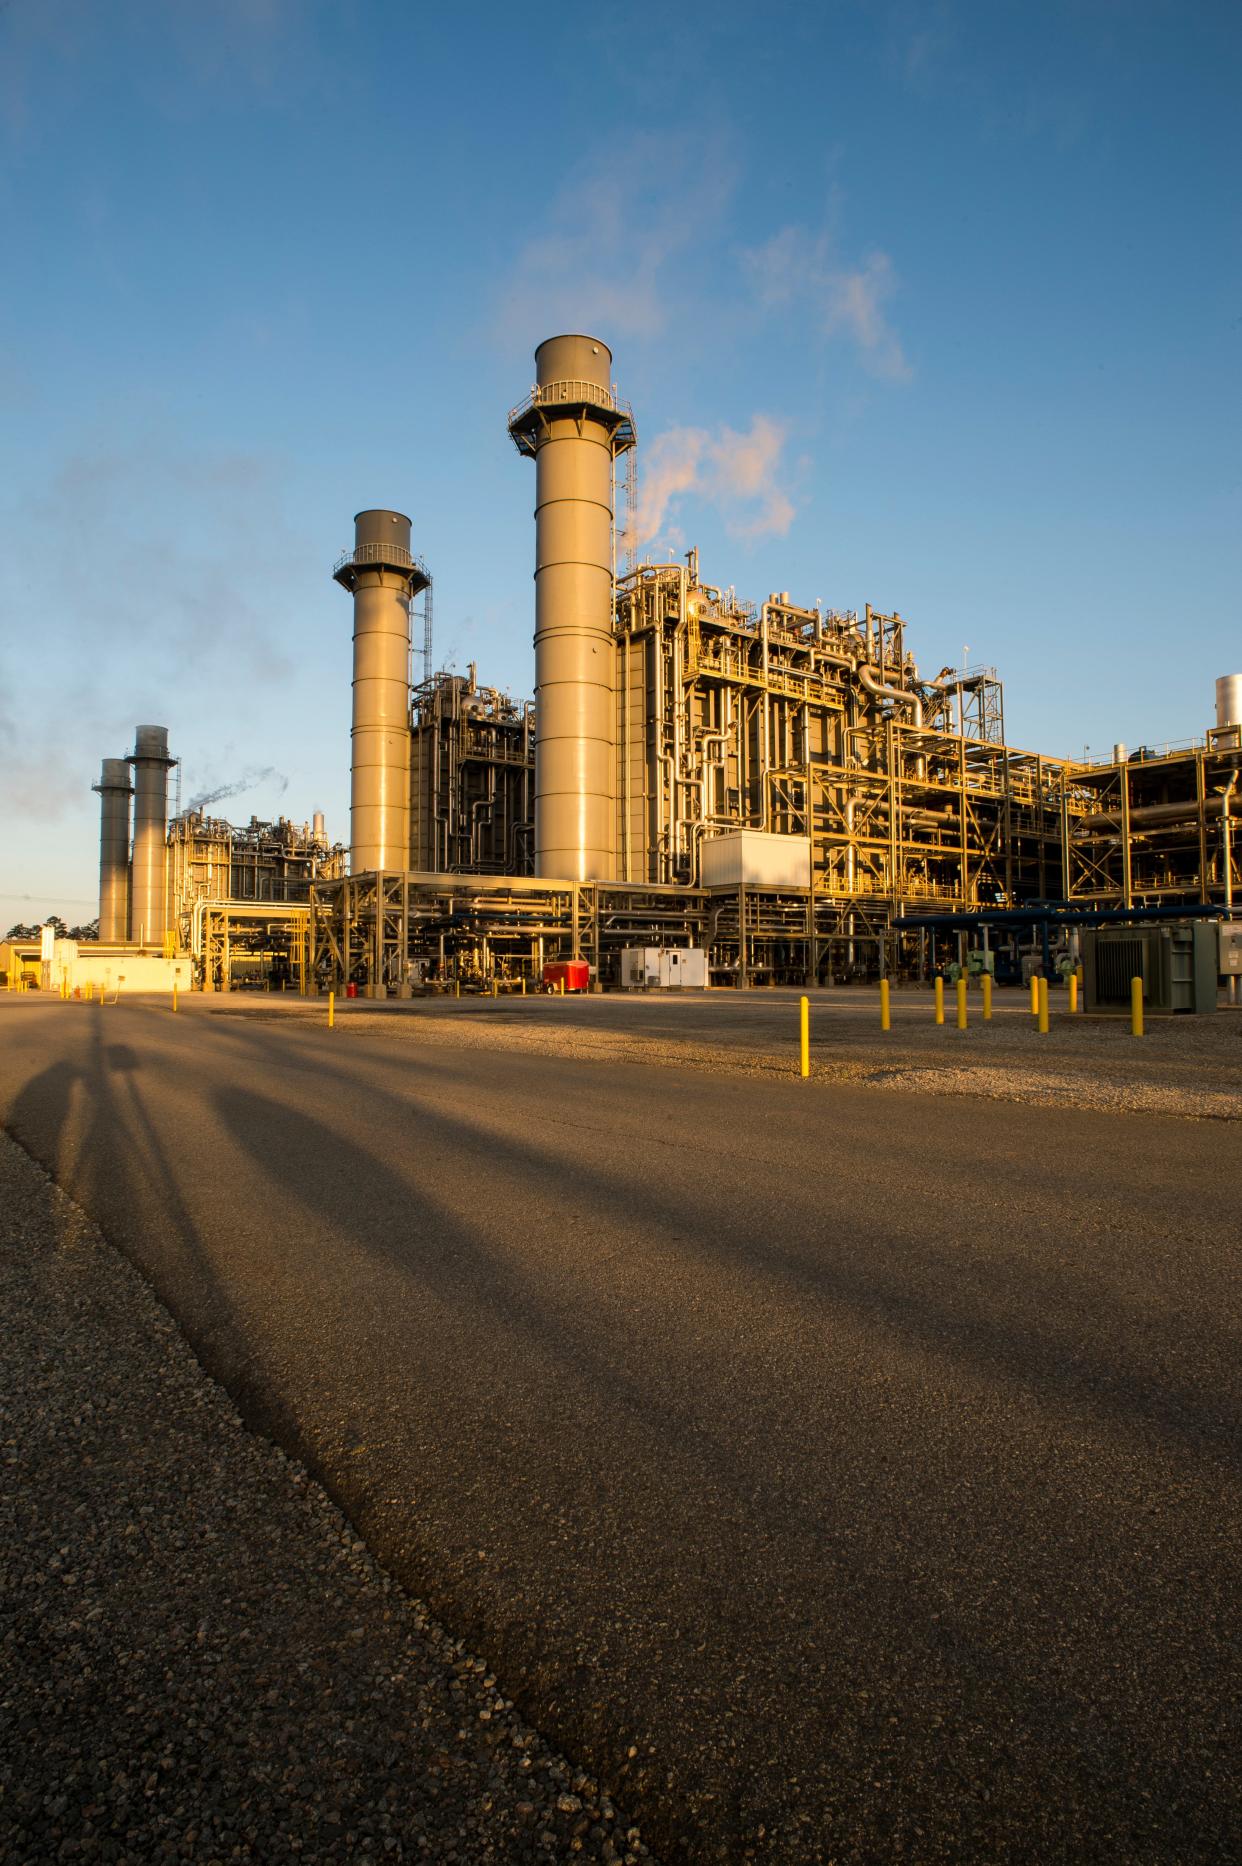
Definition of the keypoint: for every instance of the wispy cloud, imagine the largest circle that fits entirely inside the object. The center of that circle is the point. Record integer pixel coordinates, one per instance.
(180, 543)
(605, 255)
(737, 474)
(796, 267)
(50, 52)
(163, 567)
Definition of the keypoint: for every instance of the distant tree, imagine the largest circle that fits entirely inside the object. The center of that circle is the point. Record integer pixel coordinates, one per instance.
(89, 932)
(36, 927)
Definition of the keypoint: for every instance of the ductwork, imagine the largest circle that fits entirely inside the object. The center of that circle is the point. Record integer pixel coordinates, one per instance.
(880, 690)
(115, 791)
(383, 577)
(573, 428)
(1152, 815)
(148, 894)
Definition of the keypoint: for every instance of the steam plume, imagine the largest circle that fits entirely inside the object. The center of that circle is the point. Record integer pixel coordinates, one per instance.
(250, 779)
(734, 472)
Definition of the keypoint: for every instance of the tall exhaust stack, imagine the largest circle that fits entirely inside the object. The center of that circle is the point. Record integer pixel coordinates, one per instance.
(115, 791)
(573, 428)
(148, 892)
(383, 578)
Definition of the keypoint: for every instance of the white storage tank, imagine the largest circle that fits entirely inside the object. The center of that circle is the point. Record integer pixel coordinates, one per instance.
(755, 858)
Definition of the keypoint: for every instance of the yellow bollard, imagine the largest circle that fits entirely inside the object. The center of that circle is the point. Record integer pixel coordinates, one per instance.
(495, 987)
(1043, 1007)
(1136, 1007)
(174, 994)
(961, 1004)
(939, 1000)
(886, 1022)
(561, 985)
(1073, 991)
(331, 1010)
(987, 997)
(457, 988)
(523, 984)
(804, 1035)
(1034, 996)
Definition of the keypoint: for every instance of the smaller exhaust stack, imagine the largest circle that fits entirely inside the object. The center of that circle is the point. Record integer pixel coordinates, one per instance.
(115, 791)
(148, 895)
(383, 577)
(1229, 709)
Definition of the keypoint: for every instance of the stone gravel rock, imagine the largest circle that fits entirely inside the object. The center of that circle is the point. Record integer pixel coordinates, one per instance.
(1188, 1067)
(200, 1659)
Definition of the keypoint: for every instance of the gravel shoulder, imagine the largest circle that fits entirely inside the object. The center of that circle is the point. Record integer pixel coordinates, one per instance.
(1188, 1067)
(200, 1659)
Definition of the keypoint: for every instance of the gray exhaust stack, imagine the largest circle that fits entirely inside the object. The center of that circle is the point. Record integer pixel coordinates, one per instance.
(383, 578)
(573, 428)
(148, 899)
(115, 791)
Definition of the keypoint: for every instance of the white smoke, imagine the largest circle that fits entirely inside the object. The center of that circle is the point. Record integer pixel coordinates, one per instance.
(736, 473)
(250, 779)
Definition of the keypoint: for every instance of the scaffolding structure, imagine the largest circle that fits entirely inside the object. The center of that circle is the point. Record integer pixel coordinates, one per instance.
(471, 778)
(815, 724)
(1154, 828)
(809, 725)
(225, 885)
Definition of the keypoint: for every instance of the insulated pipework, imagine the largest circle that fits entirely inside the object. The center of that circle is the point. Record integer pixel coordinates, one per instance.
(383, 578)
(115, 791)
(573, 428)
(148, 898)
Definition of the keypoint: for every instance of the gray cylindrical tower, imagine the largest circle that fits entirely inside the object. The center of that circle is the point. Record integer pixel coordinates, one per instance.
(115, 791)
(148, 895)
(573, 428)
(383, 578)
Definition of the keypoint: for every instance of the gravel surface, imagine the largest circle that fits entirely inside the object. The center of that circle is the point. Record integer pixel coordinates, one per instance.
(200, 1659)
(840, 1477)
(1190, 1067)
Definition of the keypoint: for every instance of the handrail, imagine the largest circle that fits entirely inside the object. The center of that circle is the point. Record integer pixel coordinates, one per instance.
(571, 390)
(379, 554)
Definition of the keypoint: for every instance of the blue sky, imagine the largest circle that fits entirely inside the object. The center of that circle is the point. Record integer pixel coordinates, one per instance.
(936, 306)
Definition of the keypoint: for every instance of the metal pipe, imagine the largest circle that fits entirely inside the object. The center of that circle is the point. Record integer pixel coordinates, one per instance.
(115, 791)
(1226, 830)
(573, 429)
(383, 578)
(882, 690)
(148, 905)
(1151, 815)
(765, 757)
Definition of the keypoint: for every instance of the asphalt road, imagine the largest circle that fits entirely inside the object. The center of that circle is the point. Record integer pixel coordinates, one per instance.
(842, 1477)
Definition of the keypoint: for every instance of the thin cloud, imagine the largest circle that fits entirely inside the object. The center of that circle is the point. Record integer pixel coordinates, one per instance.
(49, 52)
(165, 567)
(605, 256)
(736, 473)
(795, 267)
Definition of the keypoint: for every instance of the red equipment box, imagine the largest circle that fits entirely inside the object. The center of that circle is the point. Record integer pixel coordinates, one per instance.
(575, 972)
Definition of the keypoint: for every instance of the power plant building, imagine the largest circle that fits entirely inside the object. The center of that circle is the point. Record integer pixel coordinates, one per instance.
(777, 784)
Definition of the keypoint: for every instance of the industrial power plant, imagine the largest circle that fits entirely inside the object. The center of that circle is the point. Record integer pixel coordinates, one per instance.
(703, 789)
